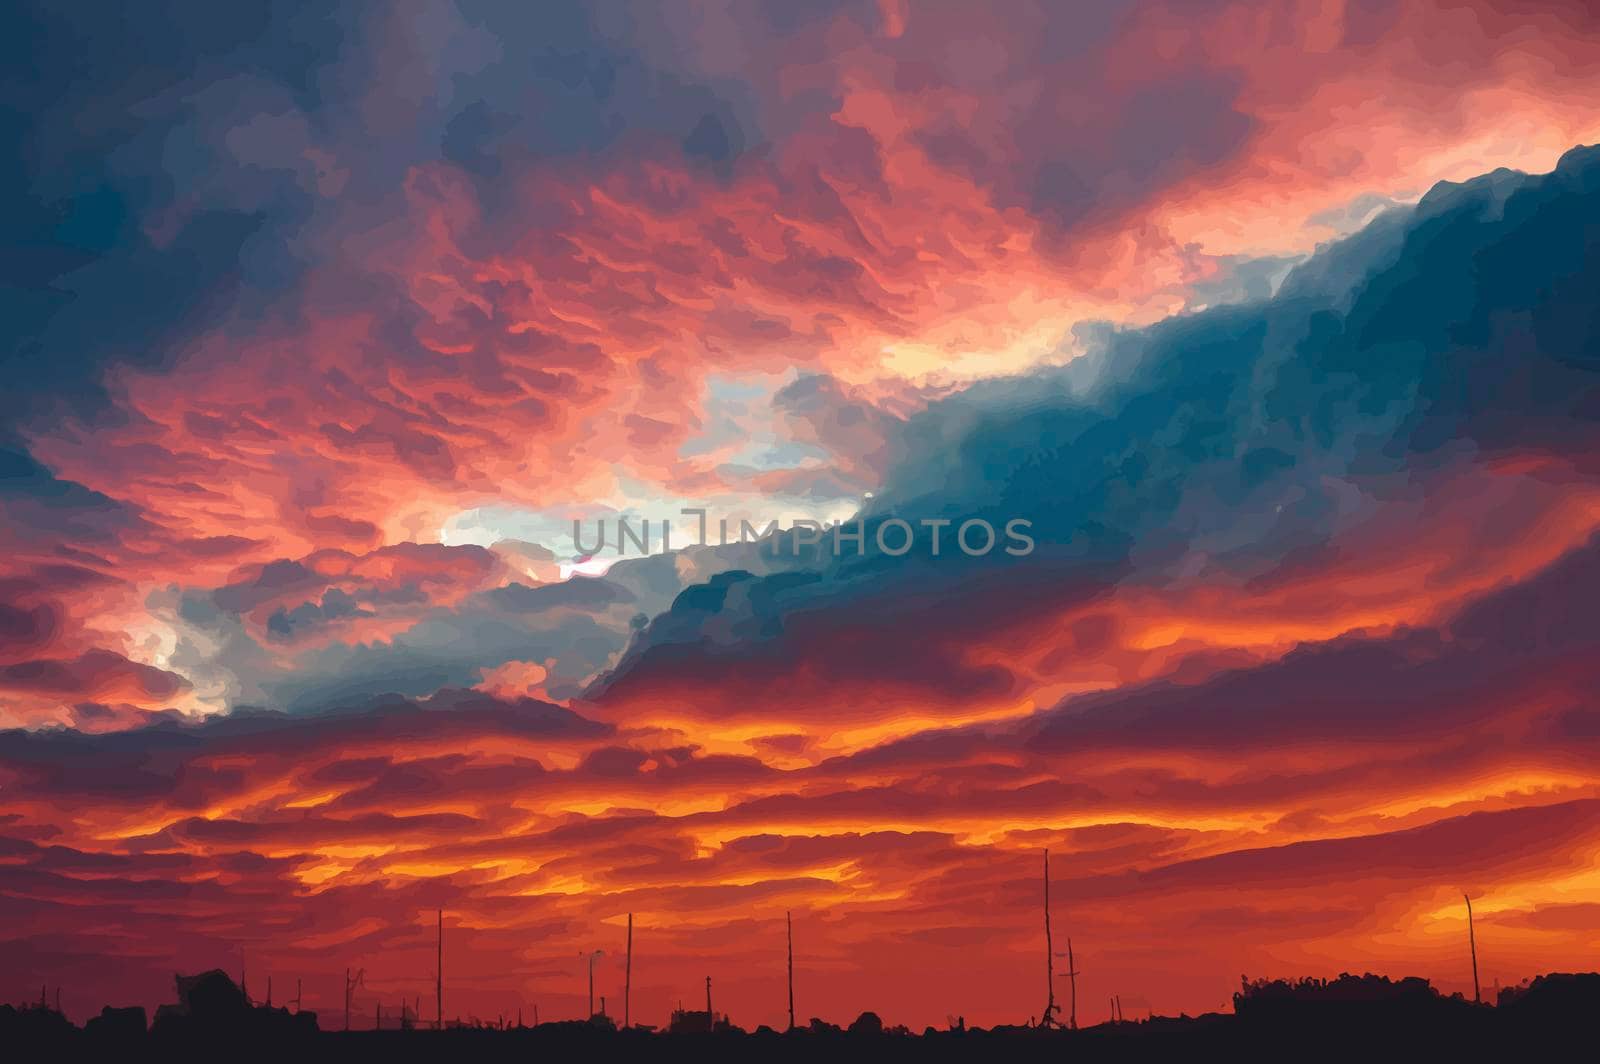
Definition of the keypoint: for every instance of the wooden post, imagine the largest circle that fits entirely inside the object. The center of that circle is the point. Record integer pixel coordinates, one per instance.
(1472, 943)
(788, 921)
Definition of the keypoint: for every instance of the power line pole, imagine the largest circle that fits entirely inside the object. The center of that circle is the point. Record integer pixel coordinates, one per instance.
(1072, 978)
(788, 921)
(627, 976)
(349, 990)
(438, 983)
(1050, 1008)
(1472, 943)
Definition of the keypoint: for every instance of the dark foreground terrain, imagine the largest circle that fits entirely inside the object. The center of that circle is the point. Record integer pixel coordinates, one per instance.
(1555, 1017)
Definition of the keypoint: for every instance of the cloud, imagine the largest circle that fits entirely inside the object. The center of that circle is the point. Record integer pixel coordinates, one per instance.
(323, 320)
(1258, 456)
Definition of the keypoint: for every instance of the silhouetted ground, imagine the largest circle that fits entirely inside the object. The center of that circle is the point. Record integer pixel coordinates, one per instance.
(1353, 1016)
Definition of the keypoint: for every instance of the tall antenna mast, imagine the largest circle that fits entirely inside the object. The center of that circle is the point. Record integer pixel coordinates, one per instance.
(1472, 943)
(788, 921)
(438, 980)
(627, 975)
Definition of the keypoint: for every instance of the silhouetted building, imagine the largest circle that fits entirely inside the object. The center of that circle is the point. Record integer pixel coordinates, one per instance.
(214, 1006)
(688, 1021)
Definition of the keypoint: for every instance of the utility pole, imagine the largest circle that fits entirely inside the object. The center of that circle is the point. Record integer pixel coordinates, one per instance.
(269, 991)
(438, 982)
(627, 976)
(1050, 1008)
(297, 996)
(788, 921)
(1072, 978)
(710, 1016)
(350, 989)
(1472, 944)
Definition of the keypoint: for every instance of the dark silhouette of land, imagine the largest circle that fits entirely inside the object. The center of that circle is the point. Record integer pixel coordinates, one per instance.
(1372, 1015)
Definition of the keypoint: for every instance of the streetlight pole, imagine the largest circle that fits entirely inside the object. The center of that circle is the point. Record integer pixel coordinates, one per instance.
(592, 955)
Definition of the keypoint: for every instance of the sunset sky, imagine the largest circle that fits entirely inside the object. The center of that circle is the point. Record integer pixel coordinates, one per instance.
(1275, 320)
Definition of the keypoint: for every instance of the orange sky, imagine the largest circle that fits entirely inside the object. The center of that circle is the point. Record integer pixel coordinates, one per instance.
(237, 529)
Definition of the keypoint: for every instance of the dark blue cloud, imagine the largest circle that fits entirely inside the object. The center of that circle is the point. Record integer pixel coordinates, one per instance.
(1443, 336)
